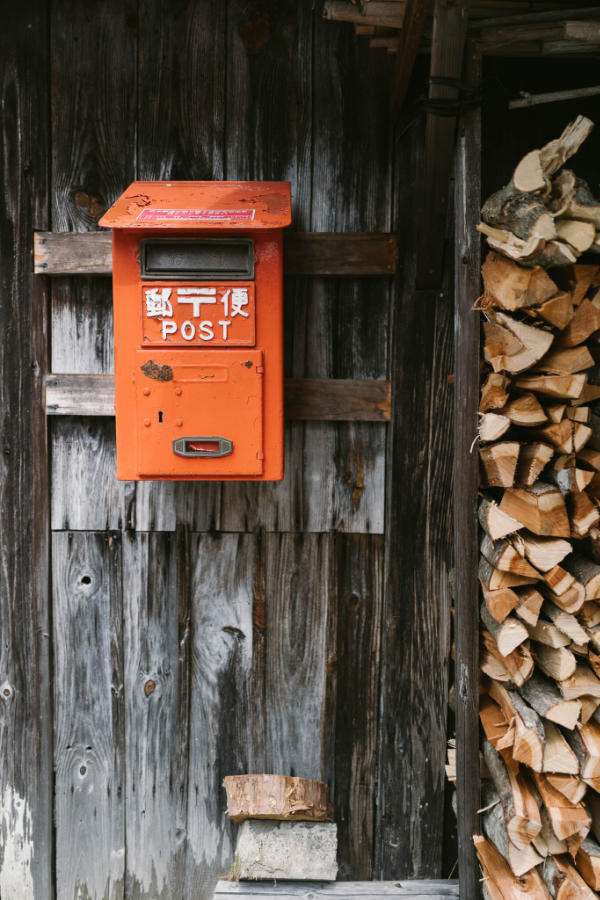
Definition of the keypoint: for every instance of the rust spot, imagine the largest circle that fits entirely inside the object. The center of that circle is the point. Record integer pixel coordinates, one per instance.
(158, 373)
(356, 479)
(255, 32)
(96, 209)
(149, 687)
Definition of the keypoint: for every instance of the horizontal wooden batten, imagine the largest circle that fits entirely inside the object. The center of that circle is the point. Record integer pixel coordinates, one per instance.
(73, 253)
(368, 890)
(329, 399)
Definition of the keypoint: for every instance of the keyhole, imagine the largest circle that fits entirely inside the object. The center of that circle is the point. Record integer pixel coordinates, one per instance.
(160, 415)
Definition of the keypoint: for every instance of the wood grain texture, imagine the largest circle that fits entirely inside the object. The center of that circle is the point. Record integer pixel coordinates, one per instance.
(416, 616)
(89, 720)
(221, 578)
(340, 399)
(374, 890)
(466, 400)
(56, 253)
(25, 691)
(157, 641)
(356, 661)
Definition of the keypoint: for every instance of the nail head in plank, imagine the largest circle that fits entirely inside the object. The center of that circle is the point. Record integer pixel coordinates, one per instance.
(327, 253)
(318, 399)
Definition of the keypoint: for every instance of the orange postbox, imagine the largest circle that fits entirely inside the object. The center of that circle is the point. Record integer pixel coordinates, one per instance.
(198, 312)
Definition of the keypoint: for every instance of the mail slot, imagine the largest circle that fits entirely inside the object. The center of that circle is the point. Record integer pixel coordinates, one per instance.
(198, 322)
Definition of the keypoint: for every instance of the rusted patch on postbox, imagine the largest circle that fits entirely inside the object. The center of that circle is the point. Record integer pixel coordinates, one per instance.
(158, 373)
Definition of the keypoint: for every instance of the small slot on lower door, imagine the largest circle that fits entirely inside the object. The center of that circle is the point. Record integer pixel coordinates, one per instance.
(203, 447)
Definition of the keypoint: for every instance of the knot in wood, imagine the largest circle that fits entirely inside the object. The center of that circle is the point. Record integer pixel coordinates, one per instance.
(149, 687)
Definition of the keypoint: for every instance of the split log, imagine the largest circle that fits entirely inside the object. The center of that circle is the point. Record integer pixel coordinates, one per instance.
(574, 789)
(576, 198)
(543, 553)
(521, 812)
(557, 311)
(510, 286)
(507, 635)
(565, 622)
(585, 321)
(581, 278)
(541, 694)
(556, 412)
(525, 410)
(500, 463)
(567, 436)
(560, 582)
(528, 738)
(570, 601)
(546, 842)
(590, 457)
(494, 579)
(500, 880)
(588, 863)
(589, 614)
(500, 603)
(583, 513)
(587, 573)
(583, 683)
(580, 235)
(566, 361)
(533, 458)
(563, 880)
(494, 392)
(523, 214)
(585, 743)
(503, 555)
(544, 632)
(520, 861)
(282, 797)
(554, 154)
(560, 763)
(513, 346)
(566, 818)
(494, 522)
(581, 414)
(555, 662)
(540, 507)
(568, 387)
(492, 426)
(530, 605)
(515, 667)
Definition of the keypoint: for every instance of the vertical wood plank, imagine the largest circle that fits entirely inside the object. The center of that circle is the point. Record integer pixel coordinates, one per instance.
(416, 618)
(300, 590)
(222, 569)
(157, 638)
(466, 394)
(89, 715)
(357, 658)
(25, 704)
(94, 67)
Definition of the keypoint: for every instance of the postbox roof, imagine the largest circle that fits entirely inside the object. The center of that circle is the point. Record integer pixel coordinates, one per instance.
(201, 204)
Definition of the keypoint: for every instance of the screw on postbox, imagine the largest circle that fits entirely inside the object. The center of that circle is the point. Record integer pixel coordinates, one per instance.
(198, 313)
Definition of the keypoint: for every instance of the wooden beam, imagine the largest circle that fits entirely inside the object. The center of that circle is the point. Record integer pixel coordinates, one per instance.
(410, 39)
(90, 253)
(466, 398)
(381, 13)
(333, 400)
(527, 100)
(449, 32)
(368, 890)
(26, 688)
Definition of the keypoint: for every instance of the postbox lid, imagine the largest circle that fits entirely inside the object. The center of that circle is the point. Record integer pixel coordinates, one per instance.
(201, 204)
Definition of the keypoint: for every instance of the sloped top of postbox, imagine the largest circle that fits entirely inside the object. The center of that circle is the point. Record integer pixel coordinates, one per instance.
(201, 204)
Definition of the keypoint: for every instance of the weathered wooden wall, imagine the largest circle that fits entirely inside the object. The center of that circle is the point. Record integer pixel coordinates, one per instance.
(170, 634)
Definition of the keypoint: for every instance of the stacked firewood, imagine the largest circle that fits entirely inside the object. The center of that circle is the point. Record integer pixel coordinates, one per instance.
(540, 574)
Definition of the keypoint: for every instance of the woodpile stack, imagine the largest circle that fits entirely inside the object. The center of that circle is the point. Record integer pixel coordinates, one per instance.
(540, 541)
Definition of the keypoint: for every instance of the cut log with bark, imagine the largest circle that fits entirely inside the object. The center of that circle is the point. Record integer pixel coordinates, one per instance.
(499, 462)
(588, 863)
(540, 507)
(521, 811)
(520, 861)
(525, 410)
(543, 696)
(496, 523)
(587, 573)
(499, 879)
(507, 635)
(501, 603)
(543, 553)
(505, 556)
(530, 605)
(510, 287)
(494, 579)
(557, 663)
(513, 346)
(282, 797)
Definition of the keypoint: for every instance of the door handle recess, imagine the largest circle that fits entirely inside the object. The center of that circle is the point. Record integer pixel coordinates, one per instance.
(203, 447)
